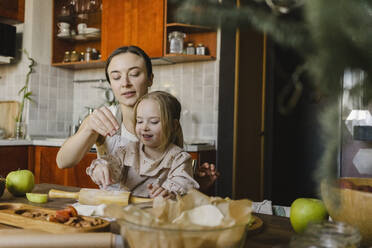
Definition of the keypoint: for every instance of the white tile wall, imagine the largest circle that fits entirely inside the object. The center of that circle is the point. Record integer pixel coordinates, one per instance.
(60, 102)
(52, 91)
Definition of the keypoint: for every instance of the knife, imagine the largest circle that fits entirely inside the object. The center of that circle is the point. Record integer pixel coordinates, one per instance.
(99, 196)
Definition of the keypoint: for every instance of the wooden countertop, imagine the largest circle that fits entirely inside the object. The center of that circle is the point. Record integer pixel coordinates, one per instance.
(276, 231)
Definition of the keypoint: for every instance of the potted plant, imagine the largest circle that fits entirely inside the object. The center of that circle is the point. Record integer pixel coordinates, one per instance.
(20, 129)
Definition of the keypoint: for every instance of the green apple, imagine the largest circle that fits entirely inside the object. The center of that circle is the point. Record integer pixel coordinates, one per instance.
(20, 182)
(37, 198)
(306, 210)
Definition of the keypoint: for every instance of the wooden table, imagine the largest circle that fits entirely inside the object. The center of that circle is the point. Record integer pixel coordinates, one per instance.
(276, 231)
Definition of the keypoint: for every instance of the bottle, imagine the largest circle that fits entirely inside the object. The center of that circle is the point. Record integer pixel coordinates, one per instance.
(88, 54)
(327, 234)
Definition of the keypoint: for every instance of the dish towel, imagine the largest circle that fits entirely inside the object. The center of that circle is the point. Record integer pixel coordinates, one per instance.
(266, 207)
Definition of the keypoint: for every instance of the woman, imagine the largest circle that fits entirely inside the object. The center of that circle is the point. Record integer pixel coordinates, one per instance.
(129, 72)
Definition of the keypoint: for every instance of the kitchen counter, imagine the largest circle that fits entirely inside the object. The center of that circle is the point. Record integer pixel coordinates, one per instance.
(57, 142)
(276, 231)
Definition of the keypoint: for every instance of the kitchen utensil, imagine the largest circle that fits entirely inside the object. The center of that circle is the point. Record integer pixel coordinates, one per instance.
(9, 216)
(99, 196)
(37, 239)
(8, 114)
(351, 206)
(81, 28)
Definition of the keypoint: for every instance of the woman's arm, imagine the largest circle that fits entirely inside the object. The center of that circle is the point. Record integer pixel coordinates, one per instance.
(75, 147)
(101, 121)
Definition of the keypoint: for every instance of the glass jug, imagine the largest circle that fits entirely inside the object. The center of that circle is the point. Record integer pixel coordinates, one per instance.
(176, 42)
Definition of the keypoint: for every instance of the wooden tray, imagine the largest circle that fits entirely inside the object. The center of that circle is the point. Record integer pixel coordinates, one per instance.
(9, 217)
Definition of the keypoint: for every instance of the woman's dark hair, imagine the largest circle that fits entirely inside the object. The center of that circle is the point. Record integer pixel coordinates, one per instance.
(130, 49)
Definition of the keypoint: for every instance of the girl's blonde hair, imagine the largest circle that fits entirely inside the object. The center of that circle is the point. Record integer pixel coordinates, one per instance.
(170, 111)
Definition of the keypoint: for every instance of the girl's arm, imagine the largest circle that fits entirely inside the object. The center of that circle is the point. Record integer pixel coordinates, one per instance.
(180, 177)
(101, 121)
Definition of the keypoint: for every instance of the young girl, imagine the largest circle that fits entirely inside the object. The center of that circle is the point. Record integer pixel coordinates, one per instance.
(156, 164)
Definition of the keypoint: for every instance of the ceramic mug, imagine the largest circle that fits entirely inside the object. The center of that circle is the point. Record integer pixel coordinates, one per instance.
(81, 28)
(64, 28)
(63, 25)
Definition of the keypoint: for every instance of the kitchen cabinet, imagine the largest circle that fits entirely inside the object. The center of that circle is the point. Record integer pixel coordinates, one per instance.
(12, 11)
(135, 22)
(13, 158)
(144, 23)
(65, 12)
(47, 171)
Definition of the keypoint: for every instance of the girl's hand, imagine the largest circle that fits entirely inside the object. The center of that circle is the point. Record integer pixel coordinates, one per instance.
(155, 190)
(101, 175)
(206, 175)
(102, 121)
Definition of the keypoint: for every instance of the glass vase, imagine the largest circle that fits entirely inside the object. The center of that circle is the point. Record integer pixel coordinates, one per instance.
(20, 130)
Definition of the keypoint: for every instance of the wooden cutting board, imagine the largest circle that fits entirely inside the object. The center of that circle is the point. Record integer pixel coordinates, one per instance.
(10, 215)
(8, 114)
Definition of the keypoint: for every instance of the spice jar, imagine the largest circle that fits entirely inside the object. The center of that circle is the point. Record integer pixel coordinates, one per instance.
(200, 49)
(94, 54)
(67, 57)
(327, 234)
(88, 54)
(190, 49)
(74, 56)
(176, 42)
(82, 55)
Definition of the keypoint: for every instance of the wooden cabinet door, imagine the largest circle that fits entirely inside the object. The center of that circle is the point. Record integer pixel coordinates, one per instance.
(13, 158)
(12, 11)
(134, 22)
(47, 171)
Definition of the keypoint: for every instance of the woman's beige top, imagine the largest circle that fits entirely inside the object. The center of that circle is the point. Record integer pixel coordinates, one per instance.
(134, 170)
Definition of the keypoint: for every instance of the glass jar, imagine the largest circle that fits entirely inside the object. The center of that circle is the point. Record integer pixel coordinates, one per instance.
(176, 42)
(82, 55)
(190, 49)
(74, 56)
(20, 130)
(200, 49)
(94, 54)
(327, 234)
(67, 57)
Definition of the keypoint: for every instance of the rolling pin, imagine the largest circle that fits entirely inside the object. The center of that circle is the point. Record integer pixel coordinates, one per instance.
(99, 196)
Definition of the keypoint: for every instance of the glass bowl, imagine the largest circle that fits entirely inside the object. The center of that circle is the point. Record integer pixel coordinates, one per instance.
(138, 236)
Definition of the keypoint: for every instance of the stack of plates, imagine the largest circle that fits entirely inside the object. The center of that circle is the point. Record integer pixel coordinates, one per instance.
(92, 32)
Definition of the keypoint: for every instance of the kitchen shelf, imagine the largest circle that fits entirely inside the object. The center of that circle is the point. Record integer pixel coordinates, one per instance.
(81, 65)
(81, 37)
(188, 28)
(178, 58)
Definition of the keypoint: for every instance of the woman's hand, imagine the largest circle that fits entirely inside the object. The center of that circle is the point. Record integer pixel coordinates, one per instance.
(101, 175)
(155, 190)
(206, 175)
(102, 121)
